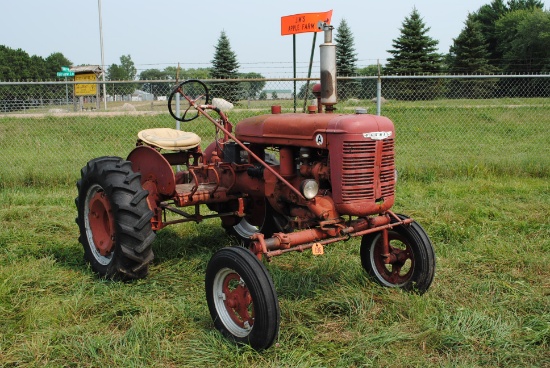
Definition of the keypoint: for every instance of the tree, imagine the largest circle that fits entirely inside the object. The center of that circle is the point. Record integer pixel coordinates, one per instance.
(469, 55)
(525, 41)
(369, 86)
(123, 72)
(190, 73)
(414, 52)
(126, 71)
(488, 16)
(156, 88)
(346, 59)
(225, 66)
(525, 48)
(53, 64)
(252, 88)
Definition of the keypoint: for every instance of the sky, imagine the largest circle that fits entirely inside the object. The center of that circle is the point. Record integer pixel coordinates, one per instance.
(162, 33)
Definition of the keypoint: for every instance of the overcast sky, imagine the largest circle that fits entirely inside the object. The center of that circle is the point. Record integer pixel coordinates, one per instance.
(161, 33)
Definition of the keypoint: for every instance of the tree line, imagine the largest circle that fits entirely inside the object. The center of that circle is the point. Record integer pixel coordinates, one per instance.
(499, 38)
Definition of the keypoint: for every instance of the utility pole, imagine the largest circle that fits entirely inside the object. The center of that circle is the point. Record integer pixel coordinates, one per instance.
(102, 56)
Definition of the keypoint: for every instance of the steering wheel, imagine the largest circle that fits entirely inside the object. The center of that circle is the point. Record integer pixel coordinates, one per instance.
(191, 92)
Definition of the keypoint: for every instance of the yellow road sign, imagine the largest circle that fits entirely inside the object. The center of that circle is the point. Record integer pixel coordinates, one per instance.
(85, 89)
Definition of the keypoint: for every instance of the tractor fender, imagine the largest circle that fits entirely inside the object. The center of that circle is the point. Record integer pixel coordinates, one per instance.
(154, 169)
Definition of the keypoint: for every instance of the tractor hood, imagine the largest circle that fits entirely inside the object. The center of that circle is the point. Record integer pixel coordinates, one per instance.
(311, 130)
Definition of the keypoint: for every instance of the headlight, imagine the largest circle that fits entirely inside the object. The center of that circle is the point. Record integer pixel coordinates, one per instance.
(309, 188)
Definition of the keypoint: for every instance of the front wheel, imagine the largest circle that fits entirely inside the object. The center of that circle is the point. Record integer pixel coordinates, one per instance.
(241, 298)
(114, 219)
(412, 257)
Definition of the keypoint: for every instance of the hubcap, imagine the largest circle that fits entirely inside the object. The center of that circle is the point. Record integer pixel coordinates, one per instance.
(398, 269)
(233, 302)
(99, 223)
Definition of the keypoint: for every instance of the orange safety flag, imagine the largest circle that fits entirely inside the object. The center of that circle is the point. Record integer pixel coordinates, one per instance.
(302, 23)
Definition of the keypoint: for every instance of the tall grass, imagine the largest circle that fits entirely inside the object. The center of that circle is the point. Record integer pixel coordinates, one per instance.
(489, 304)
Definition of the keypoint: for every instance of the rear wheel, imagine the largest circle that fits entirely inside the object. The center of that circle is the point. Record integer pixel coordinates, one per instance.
(241, 298)
(114, 219)
(412, 257)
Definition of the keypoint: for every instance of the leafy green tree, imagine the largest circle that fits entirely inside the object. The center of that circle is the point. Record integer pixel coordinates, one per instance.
(48, 69)
(225, 66)
(263, 96)
(126, 71)
(488, 16)
(525, 41)
(156, 88)
(53, 64)
(346, 59)
(252, 88)
(123, 72)
(274, 95)
(17, 65)
(190, 73)
(368, 86)
(525, 47)
(414, 52)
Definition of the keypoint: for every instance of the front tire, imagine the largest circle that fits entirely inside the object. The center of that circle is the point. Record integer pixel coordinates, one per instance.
(114, 219)
(413, 267)
(241, 298)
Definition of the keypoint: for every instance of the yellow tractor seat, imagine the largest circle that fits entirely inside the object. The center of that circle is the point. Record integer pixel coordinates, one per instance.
(169, 139)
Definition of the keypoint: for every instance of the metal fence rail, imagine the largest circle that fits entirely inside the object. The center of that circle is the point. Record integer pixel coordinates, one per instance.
(456, 124)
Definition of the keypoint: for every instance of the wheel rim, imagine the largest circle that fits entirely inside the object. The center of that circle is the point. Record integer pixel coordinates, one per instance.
(401, 266)
(233, 302)
(245, 229)
(99, 224)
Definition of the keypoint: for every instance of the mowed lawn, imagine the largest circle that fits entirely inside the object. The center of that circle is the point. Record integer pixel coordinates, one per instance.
(485, 205)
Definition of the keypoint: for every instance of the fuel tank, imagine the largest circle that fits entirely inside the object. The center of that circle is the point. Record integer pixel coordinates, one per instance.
(311, 130)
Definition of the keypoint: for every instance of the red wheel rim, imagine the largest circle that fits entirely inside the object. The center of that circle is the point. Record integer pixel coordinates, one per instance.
(399, 267)
(238, 301)
(101, 223)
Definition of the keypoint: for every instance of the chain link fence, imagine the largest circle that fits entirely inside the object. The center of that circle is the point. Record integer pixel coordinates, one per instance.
(445, 125)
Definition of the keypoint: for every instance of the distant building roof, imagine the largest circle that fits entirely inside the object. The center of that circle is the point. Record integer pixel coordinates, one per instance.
(87, 69)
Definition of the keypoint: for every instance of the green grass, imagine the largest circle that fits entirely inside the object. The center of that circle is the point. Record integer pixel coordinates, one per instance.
(476, 178)
(488, 306)
(432, 139)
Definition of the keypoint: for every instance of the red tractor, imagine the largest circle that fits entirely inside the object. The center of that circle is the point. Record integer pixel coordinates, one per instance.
(278, 182)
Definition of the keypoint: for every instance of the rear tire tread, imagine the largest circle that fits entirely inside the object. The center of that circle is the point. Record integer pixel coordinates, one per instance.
(132, 251)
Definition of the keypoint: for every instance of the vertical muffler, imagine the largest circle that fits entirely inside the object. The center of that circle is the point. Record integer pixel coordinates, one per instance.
(328, 69)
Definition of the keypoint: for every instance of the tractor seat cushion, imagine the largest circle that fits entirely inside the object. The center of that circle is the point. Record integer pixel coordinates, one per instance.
(169, 139)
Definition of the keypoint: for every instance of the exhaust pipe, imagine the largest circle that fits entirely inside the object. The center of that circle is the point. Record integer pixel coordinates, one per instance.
(328, 69)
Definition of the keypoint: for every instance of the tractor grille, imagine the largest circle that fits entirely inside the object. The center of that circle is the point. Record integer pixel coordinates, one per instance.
(368, 170)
